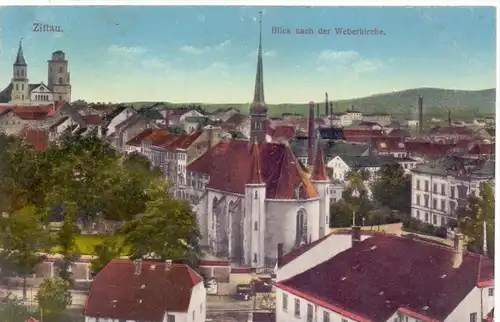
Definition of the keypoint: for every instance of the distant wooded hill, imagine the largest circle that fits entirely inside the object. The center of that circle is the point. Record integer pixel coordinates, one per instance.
(465, 104)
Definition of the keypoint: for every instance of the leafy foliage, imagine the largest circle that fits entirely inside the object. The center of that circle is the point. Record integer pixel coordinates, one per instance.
(12, 309)
(53, 296)
(22, 238)
(67, 248)
(392, 187)
(167, 229)
(105, 252)
(472, 217)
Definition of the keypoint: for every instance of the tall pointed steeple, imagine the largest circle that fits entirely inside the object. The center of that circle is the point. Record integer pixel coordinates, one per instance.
(255, 173)
(258, 110)
(258, 97)
(319, 173)
(20, 57)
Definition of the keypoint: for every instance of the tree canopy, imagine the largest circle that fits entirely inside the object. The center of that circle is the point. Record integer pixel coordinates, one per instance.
(392, 187)
(53, 296)
(479, 211)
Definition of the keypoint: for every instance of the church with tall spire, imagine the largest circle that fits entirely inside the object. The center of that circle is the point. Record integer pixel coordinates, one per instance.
(20, 92)
(258, 109)
(252, 195)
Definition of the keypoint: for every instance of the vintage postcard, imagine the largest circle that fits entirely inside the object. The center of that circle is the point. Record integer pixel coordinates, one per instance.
(247, 163)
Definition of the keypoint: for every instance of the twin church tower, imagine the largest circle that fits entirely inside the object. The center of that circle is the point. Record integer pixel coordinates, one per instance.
(58, 87)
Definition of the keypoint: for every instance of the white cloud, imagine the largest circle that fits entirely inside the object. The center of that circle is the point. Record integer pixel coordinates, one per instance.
(216, 68)
(346, 62)
(124, 50)
(270, 53)
(200, 50)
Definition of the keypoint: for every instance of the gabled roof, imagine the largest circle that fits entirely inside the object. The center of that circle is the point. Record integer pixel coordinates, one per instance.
(93, 120)
(227, 164)
(118, 293)
(386, 273)
(137, 140)
(38, 139)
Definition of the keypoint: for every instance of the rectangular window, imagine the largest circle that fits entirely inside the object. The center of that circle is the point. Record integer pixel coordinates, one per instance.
(426, 200)
(285, 302)
(418, 200)
(426, 217)
(490, 291)
(170, 318)
(418, 184)
(326, 316)
(434, 203)
(255, 257)
(443, 220)
(418, 214)
(452, 192)
(255, 226)
(309, 313)
(473, 317)
(435, 188)
(434, 219)
(296, 311)
(443, 189)
(426, 185)
(443, 204)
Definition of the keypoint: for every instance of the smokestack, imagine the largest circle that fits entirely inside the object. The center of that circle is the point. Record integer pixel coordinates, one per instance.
(459, 250)
(420, 115)
(317, 110)
(280, 253)
(326, 104)
(310, 134)
(210, 133)
(355, 235)
(449, 117)
(137, 265)
(331, 108)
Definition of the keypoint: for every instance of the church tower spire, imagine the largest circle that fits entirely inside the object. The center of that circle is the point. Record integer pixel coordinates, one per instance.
(258, 110)
(20, 85)
(20, 61)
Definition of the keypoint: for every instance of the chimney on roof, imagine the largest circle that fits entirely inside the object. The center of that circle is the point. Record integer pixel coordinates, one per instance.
(458, 250)
(280, 253)
(310, 135)
(137, 265)
(168, 264)
(420, 115)
(210, 133)
(326, 104)
(355, 235)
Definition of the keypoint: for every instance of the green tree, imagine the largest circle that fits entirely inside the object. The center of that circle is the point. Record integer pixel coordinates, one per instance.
(53, 296)
(472, 217)
(23, 237)
(341, 214)
(105, 252)
(392, 187)
(166, 230)
(12, 309)
(66, 242)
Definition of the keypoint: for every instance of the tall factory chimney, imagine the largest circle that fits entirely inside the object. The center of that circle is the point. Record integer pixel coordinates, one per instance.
(317, 110)
(449, 116)
(326, 104)
(310, 136)
(420, 115)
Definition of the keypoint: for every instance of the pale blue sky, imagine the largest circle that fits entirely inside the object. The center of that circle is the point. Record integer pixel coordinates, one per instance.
(208, 54)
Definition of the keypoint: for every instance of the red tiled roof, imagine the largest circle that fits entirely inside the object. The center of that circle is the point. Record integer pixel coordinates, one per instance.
(450, 130)
(427, 148)
(385, 273)
(137, 140)
(319, 173)
(32, 319)
(186, 143)
(399, 133)
(38, 139)
(282, 131)
(118, 293)
(92, 119)
(227, 165)
(388, 144)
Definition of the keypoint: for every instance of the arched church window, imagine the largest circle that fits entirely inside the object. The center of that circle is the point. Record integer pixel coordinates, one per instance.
(301, 228)
(255, 226)
(256, 195)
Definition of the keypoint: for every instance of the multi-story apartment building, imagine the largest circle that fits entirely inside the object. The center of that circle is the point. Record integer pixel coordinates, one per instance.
(440, 187)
